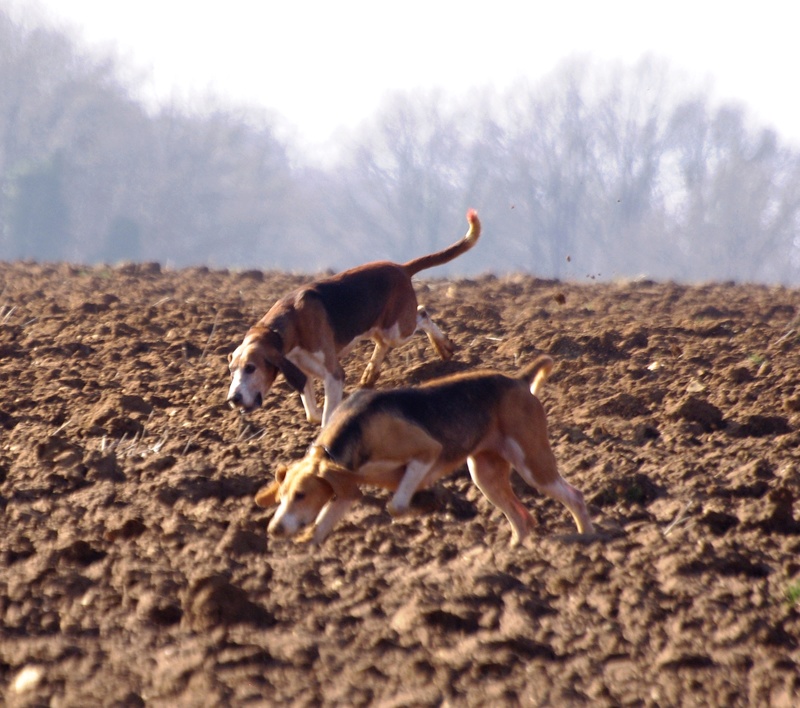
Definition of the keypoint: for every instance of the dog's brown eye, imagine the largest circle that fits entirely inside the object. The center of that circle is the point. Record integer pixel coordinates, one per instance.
(299, 496)
(249, 368)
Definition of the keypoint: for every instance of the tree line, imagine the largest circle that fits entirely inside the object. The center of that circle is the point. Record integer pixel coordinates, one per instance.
(598, 171)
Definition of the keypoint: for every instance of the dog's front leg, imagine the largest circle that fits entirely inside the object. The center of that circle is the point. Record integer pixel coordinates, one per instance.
(330, 515)
(416, 472)
(491, 474)
(309, 399)
(334, 390)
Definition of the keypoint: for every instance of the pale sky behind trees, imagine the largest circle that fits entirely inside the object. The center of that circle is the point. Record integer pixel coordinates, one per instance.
(322, 66)
(609, 140)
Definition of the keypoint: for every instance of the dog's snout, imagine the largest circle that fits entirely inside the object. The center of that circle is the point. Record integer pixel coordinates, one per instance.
(235, 398)
(275, 529)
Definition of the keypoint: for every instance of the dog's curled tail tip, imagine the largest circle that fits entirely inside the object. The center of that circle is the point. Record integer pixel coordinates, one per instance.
(472, 215)
(536, 372)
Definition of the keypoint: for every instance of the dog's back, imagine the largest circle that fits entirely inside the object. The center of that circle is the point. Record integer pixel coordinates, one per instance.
(456, 411)
(370, 289)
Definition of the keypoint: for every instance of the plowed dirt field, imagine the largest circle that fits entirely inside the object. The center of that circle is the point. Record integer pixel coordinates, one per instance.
(135, 568)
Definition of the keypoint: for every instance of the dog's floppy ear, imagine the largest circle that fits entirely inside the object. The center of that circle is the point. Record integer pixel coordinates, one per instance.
(294, 377)
(343, 481)
(268, 496)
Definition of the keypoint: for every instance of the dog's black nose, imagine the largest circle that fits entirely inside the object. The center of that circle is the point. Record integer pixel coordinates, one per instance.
(236, 398)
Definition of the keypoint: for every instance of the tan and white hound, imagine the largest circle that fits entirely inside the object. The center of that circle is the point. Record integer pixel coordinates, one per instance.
(306, 332)
(406, 439)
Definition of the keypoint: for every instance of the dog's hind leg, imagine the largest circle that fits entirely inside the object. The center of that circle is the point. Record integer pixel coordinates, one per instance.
(373, 370)
(443, 346)
(539, 469)
(491, 474)
(386, 340)
(571, 498)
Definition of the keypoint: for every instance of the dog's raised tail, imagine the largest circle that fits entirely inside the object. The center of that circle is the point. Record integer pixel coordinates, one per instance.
(448, 254)
(536, 372)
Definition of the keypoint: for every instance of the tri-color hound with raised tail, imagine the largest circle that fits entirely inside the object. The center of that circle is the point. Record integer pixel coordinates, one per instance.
(306, 332)
(406, 439)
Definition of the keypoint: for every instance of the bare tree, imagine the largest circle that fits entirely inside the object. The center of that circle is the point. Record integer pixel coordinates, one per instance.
(601, 170)
(405, 174)
(738, 211)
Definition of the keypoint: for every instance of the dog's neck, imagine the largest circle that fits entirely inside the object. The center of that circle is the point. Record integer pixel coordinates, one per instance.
(268, 335)
(322, 450)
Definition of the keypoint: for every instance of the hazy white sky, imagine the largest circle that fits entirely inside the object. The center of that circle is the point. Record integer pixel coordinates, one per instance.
(322, 64)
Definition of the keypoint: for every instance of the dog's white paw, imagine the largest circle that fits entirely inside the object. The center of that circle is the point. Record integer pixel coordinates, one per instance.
(396, 510)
